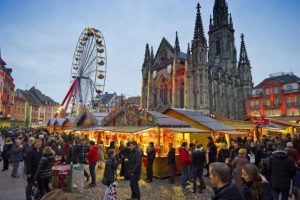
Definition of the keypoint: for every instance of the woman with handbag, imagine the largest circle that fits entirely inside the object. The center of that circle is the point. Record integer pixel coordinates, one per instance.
(44, 171)
(109, 175)
(6, 153)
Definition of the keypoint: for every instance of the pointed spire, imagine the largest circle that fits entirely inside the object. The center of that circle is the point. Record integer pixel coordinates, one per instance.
(220, 12)
(177, 47)
(243, 52)
(151, 55)
(188, 50)
(230, 19)
(198, 32)
(147, 57)
(210, 21)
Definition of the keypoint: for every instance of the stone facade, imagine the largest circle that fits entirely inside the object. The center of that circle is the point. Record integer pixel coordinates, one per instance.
(206, 78)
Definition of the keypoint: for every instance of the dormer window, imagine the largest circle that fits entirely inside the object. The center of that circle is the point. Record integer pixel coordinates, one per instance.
(289, 87)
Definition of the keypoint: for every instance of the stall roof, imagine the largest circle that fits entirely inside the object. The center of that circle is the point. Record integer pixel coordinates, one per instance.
(124, 129)
(165, 120)
(234, 132)
(188, 130)
(284, 123)
(202, 119)
(239, 125)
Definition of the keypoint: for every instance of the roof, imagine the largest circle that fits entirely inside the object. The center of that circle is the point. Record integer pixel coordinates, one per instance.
(35, 97)
(107, 98)
(124, 129)
(165, 120)
(188, 130)
(202, 119)
(284, 79)
(239, 125)
(284, 123)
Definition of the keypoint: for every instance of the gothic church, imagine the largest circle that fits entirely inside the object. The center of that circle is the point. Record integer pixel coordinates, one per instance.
(207, 78)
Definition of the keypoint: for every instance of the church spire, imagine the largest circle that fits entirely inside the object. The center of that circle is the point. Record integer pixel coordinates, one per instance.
(220, 13)
(198, 32)
(177, 47)
(188, 50)
(243, 53)
(147, 57)
(146, 65)
(151, 55)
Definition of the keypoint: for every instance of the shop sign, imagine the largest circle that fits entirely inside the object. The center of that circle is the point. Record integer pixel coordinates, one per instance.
(260, 120)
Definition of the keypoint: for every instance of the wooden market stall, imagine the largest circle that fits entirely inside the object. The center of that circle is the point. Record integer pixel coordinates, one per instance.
(145, 126)
(220, 132)
(242, 127)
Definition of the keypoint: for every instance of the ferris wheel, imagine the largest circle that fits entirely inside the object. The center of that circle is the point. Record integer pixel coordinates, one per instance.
(88, 71)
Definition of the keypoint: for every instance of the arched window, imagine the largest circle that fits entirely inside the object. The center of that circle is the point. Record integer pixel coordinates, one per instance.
(181, 95)
(218, 48)
(163, 92)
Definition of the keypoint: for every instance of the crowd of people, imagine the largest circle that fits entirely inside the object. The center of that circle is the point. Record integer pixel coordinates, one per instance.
(245, 169)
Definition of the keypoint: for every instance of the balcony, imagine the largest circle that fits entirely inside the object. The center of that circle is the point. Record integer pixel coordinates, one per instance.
(291, 91)
(292, 104)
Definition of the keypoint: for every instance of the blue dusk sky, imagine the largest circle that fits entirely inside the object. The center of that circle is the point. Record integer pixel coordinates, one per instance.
(38, 37)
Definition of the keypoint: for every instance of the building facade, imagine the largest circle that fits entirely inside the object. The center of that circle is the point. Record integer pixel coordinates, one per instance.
(207, 78)
(276, 96)
(7, 87)
(38, 108)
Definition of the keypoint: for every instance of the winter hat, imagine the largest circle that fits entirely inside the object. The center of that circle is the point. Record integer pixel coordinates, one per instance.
(58, 195)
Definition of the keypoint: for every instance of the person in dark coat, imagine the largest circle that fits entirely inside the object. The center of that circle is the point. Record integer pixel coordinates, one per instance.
(43, 173)
(235, 151)
(32, 162)
(220, 175)
(126, 157)
(81, 155)
(6, 153)
(150, 161)
(16, 156)
(291, 151)
(223, 153)
(281, 169)
(68, 152)
(256, 187)
(110, 168)
(211, 153)
(26, 149)
(171, 163)
(135, 170)
(198, 163)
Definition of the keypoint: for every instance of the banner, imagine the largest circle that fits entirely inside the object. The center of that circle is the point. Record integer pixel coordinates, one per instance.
(260, 121)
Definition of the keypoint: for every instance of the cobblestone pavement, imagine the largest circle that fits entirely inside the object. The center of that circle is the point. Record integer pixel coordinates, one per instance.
(158, 189)
(12, 188)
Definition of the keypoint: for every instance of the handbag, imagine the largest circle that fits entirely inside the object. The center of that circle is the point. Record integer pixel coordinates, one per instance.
(35, 191)
(105, 181)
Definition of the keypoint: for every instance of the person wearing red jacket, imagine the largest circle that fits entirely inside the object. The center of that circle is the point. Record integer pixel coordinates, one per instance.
(92, 159)
(185, 162)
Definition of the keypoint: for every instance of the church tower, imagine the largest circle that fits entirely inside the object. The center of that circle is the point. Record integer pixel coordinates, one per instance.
(222, 51)
(222, 60)
(198, 74)
(145, 99)
(244, 72)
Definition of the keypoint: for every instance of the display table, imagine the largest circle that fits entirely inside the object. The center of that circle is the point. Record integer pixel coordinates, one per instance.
(161, 167)
(61, 177)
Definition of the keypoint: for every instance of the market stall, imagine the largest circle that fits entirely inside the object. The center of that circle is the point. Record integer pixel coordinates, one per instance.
(219, 130)
(145, 126)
